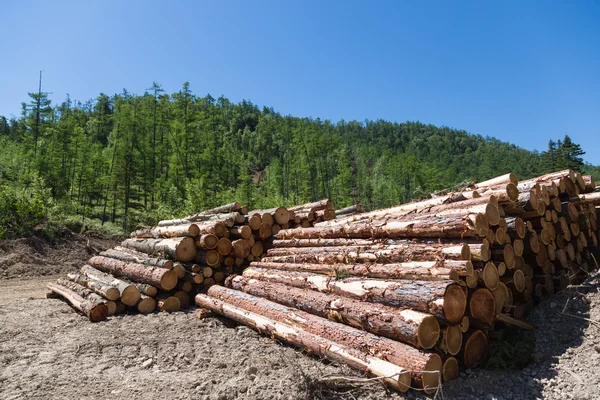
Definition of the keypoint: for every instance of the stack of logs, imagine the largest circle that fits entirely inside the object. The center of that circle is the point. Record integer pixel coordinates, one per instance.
(410, 292)
(163, 267)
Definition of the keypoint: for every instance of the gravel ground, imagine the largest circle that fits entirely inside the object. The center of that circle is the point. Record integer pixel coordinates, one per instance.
(48, 351)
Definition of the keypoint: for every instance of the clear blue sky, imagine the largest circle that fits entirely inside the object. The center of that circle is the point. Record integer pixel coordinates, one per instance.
(521, 71)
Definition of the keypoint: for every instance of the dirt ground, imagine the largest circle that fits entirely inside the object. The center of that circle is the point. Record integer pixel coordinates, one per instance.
(48, 351)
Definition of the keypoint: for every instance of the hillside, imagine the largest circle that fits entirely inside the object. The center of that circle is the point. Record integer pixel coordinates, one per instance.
(131, 159)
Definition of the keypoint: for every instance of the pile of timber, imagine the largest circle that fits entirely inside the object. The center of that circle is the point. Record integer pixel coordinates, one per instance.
(412, 293)
(163, 267)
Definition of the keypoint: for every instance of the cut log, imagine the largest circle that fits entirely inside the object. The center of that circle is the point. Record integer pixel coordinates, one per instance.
(393, 375)
(443, 227)
(146, 305)
(254, 221)
(450, 369)
(184, 298)
(476, 349)
(207, 257)
(224, 246)
(482, 306)
(450, 340)
(181, 249)
(406, 325)
(348, 210)
(444, 299)
(397, 353)
(500, 180)
(106, 291)
(130, 255)
(191, 230)
(420, 270)
(130, 294)
(96, 312)
(280, 215)
(167, 303)
(324, 204)
(207, 241)
(158, 277)
(243, 231)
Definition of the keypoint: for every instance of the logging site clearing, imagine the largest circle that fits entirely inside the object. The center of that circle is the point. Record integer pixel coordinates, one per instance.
(49, 351)
(491, 289)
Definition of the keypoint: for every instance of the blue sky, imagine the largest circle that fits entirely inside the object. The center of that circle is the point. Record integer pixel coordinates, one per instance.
(521, 71)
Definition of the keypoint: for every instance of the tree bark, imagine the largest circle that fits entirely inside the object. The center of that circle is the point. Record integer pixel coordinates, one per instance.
(456, 227)
(129, 293)
(158, 277)
(324, 204)
(397, 353)
(96, 312)
(106, 291)
(406, 325)
(130, 255)
(348, 210)
(384, 254)
(443, 299)
(181, 249)
(393, 375)
(413, 270)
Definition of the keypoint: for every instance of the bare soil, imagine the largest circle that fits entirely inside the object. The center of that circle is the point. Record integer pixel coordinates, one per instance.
(48, 351)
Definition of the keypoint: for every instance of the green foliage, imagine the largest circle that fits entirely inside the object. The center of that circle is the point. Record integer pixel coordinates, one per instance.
(21, 209)
(124, 160)
(563, 154)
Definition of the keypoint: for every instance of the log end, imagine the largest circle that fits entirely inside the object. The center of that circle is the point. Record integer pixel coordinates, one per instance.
(512, 192)
(453, 338)
(476, 349)
(112, 294)
(428, 332)
(186, 250)
(483, 306)
(492, 213)
(455, 303)
(282, 215)
(431, 374)
(98, 312)
(450, 369)
(491, 276)
(130, 296)
(170, 304)
(169, 280)
(146, 305)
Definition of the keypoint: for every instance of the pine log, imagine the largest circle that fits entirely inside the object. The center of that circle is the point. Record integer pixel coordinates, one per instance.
(500, 180)
(420, 270)
(324, 204)
(207, 241)
(146, 304)
(254, 221)
(395, 376)
(181, 249)
(96, 312)
(443, 299)
(82, 291)
(106, 291)
(397, 353)
(406, 325)
(243, 231)
(348, 210)
(280, 215)
(129, 293)
(224, 246)
(475, 350)
(158, 277)
(131, 255)
(451, 338)
(450, 369)
(167, 303)
(442, 227)
(207, 257)
(184, 298)
(482, 306)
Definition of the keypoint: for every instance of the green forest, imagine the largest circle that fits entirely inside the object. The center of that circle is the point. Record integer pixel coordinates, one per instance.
(124, 160)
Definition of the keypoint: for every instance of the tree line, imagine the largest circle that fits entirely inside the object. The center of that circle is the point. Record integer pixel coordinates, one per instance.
(132, 159)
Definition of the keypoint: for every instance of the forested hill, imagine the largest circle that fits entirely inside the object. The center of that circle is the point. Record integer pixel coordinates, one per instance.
(133, 159)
